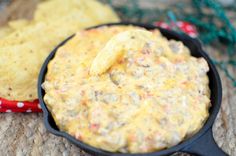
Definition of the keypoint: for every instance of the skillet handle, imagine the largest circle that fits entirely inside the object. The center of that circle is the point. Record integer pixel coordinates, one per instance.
(205, 146)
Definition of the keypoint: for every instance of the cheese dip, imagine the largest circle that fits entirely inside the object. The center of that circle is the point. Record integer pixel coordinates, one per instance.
(126, 89)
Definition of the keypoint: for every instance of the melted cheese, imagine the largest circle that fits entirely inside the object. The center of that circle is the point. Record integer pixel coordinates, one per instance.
(117, 46)
(147, 100)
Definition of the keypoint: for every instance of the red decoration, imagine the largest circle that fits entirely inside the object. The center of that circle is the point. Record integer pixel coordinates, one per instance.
(186, 27)
(18, 106)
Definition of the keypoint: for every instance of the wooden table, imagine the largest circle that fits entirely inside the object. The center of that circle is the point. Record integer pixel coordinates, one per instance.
(25, 134)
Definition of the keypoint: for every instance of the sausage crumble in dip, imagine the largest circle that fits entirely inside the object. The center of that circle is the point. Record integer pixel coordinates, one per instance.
(126, 89)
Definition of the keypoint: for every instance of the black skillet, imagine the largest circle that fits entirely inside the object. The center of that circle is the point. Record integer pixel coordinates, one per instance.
(202, 143)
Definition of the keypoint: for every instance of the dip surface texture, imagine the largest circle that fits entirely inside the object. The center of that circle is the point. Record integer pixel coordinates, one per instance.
(153, 95)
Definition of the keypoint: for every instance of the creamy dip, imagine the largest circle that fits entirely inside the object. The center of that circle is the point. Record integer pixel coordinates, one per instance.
(151, 97)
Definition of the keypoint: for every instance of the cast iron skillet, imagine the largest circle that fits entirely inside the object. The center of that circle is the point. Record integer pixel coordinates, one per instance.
(202, 143)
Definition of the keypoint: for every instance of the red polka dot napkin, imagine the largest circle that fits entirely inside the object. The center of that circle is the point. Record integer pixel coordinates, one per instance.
(18, 106)
(185, 27)
(33, 106)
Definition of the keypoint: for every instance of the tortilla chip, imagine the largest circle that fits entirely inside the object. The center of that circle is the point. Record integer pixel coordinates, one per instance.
(24, 50)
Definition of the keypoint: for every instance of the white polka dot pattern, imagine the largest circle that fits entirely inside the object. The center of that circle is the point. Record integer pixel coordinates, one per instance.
(20, 104)
(39, 106)
(28, 110)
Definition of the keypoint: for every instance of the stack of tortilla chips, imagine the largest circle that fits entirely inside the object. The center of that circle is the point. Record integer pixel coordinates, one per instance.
(24, 45)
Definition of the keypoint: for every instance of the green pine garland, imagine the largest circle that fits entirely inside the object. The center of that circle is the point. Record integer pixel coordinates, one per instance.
(207, 23)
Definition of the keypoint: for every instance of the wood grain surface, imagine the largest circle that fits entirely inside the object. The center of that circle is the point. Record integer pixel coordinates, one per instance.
(24, 134)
